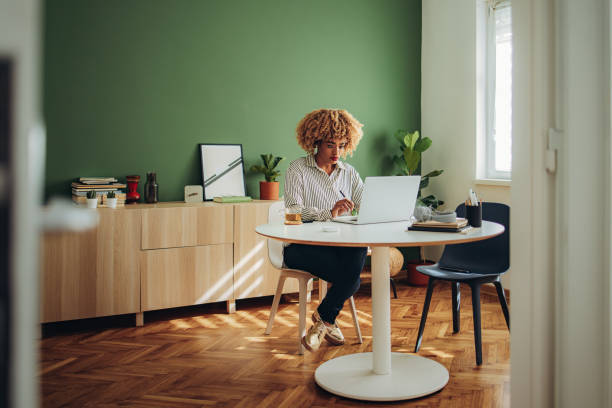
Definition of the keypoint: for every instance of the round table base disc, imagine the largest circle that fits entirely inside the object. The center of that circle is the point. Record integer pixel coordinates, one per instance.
(411, 376)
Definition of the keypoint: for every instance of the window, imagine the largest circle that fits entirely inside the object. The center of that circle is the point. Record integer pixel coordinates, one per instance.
(498, 144)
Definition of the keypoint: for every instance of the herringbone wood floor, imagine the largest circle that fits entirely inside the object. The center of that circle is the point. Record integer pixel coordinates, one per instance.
(201, 356)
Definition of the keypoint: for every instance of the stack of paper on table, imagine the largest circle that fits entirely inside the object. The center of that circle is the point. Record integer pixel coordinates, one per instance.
(457, 226)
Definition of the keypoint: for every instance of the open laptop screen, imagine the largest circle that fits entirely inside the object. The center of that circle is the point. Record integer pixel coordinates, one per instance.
(386, 199)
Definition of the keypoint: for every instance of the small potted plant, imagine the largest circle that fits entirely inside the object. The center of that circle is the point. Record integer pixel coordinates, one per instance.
(92, 199)
(268, 190)
(411, 146)
(111, 200)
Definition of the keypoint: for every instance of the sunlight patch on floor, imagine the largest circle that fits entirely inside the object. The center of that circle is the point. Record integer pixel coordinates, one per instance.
(181, 324)
(256, 339)
(252, 319)
(284, 356)
(231, 321)
(205, 322)
(438, 353)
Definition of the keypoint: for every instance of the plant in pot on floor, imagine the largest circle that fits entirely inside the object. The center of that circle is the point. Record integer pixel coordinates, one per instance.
(409, 163)
(268, 190)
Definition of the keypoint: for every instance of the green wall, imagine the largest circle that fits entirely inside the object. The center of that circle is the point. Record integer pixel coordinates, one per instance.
(133, 86)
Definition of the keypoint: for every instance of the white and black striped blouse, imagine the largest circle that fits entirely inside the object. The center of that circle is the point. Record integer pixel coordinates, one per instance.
(311, 189)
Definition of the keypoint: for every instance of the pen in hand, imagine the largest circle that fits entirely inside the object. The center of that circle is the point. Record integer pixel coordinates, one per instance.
(353, 211)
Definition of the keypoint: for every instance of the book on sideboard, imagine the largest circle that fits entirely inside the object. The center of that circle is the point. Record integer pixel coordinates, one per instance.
(97, 180)
(112, 186)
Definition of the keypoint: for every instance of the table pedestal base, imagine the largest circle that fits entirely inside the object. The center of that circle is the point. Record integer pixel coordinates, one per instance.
(411, 376)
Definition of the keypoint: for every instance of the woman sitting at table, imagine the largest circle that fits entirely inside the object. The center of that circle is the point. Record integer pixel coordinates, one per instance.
(321, 187)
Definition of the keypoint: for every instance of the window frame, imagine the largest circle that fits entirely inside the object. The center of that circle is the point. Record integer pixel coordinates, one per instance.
(490, 74)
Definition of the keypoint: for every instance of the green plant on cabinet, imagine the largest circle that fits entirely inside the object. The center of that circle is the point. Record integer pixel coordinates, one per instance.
(269, 167)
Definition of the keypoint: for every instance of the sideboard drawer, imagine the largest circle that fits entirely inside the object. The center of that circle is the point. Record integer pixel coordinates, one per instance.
(169, 227)
(186, 276)
(215, 225)
(187, 226)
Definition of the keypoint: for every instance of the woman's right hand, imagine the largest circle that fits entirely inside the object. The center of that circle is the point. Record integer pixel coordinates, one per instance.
(341, 207)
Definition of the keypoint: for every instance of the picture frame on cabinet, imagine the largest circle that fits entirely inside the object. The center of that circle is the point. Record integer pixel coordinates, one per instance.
(222, 170)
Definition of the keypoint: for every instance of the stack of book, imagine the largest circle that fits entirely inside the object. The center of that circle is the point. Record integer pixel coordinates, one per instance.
(458, 225)
(101, 185)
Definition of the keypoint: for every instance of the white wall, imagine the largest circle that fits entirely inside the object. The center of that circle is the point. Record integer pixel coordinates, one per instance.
(449, 99)
(584, 94)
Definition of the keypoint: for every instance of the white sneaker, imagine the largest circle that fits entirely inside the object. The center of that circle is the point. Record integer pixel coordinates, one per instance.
(333, 334)
(314, 336)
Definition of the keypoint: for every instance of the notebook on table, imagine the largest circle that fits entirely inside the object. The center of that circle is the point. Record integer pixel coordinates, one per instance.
(385, 199)
(458, 225)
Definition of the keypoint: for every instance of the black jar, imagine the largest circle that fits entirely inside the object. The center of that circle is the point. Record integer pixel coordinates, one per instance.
(151, 189)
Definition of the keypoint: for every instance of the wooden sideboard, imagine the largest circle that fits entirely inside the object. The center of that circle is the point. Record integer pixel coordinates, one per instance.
(144, 257)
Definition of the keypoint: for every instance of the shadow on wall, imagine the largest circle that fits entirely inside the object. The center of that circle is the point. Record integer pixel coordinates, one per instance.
(382, 144)
(190, 176)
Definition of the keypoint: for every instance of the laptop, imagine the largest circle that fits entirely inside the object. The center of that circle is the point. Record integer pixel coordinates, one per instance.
(385, 199)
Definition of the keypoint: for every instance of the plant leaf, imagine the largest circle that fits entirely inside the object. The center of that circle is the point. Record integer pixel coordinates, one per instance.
(273, 175)
(276, 161)
(424, 182)
(264, 158)
(434, 173)
(411, 139)
(408, 141)
(258, 169)
(399, 135)
(412, 160)
(399, 162)
(422, 144)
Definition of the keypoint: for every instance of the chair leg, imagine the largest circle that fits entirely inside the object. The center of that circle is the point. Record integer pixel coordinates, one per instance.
(355, 319)
(275, 302)
(430, 286)
(302, 316)
(456, 306)
(394, 288)
(477, 334)
(502, 301)
(322, 289)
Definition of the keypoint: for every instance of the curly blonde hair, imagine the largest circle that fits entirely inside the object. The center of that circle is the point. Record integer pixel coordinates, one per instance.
(329, 124)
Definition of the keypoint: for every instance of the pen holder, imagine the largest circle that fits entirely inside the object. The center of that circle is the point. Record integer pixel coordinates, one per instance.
(473, 214)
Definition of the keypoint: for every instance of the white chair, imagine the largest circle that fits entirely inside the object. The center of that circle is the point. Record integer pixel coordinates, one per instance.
(275, 254)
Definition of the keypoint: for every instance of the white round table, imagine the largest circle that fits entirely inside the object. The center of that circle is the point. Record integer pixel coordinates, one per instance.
(380, 375)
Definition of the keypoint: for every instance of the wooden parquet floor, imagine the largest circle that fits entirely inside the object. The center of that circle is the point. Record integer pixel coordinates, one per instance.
(202, 357)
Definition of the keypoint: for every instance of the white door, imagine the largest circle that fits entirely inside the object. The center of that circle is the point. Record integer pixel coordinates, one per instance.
(561, 219)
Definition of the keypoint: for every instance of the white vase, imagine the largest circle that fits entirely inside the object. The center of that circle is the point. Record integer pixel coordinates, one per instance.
(92, 202)
(111, 202)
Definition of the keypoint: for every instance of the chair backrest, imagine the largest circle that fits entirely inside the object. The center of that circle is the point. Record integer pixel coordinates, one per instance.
(490, 256)
(275, 248)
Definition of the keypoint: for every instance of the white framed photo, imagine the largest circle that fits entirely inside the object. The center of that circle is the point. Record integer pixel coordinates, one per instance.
(222, 170)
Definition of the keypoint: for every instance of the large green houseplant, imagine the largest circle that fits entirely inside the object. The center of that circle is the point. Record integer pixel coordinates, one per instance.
(268, 190)
(412, 146)
(408, 161)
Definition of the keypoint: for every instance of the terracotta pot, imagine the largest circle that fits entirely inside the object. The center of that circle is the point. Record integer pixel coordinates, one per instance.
(414, 277)
(268, 190)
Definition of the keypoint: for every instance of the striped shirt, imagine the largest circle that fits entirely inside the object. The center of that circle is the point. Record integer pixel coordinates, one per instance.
(311, 189)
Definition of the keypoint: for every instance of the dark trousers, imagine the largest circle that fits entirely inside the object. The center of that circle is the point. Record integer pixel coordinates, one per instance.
(341, 266)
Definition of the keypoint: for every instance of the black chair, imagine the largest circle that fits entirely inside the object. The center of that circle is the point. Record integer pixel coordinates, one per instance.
(473, 263)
